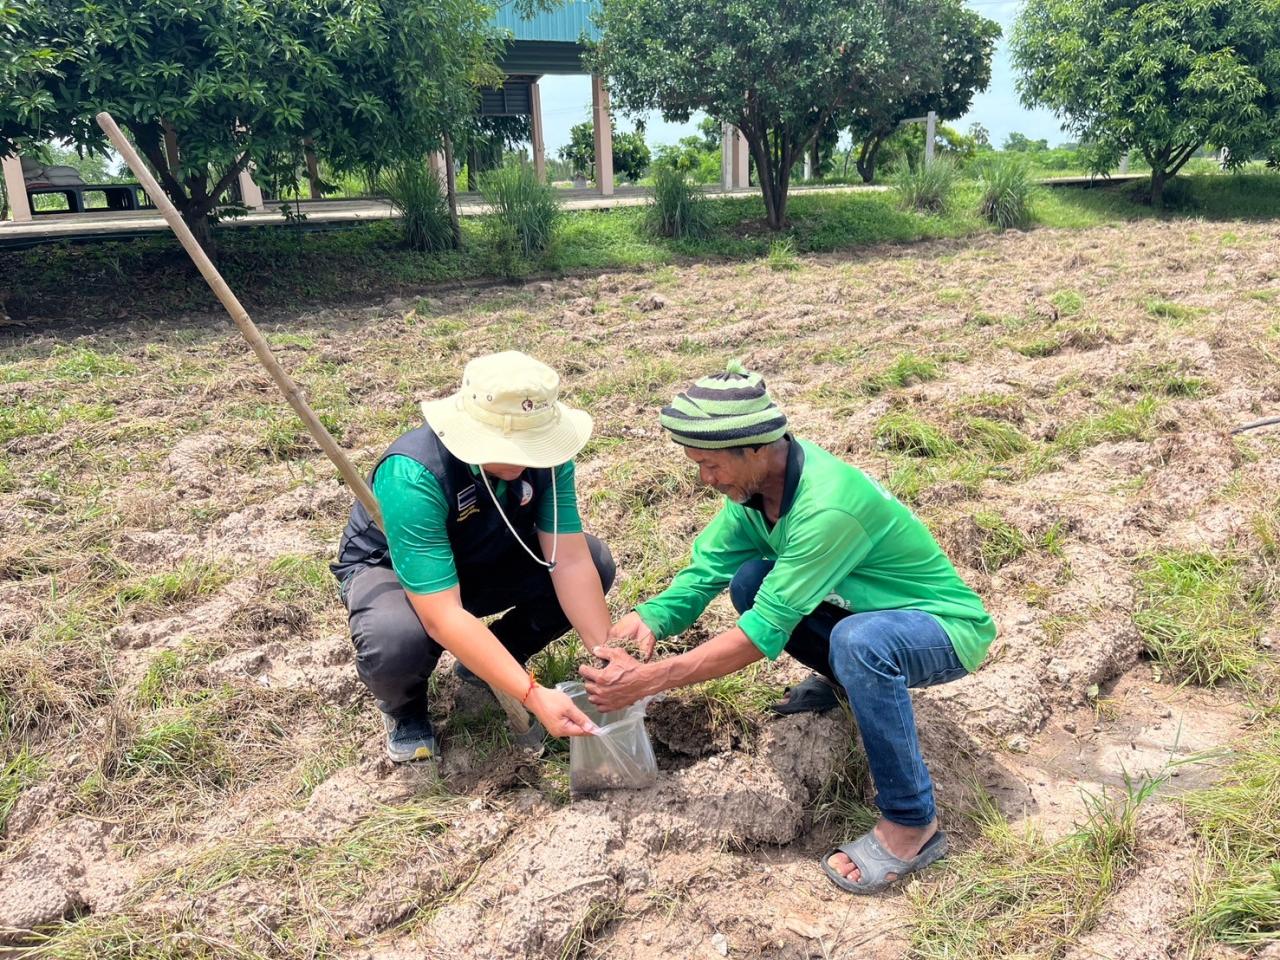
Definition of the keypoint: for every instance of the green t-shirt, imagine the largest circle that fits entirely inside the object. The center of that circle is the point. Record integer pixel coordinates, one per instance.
(842, 538)
(415, 513)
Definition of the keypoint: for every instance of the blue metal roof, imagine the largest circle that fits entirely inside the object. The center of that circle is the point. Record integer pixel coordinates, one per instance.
(565, 23)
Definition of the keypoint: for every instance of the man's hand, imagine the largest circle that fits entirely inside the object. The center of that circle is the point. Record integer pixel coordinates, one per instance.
(619, 683)
(631, 629)
(558, 715)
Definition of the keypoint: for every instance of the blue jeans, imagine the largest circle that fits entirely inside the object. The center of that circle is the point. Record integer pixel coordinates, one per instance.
(876, 656)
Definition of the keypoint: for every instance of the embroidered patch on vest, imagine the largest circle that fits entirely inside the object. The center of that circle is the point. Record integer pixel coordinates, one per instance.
(526, 492)
(467, 503)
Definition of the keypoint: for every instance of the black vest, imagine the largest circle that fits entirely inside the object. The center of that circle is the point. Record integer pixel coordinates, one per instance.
(476, 531)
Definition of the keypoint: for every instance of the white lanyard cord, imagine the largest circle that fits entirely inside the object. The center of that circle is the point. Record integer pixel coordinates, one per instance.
(555, 521)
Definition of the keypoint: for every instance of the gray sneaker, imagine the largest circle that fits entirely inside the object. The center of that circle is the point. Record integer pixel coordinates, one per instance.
(410, 738)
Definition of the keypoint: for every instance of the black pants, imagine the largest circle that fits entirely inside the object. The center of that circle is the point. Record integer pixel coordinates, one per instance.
(395, 655)
(810, 642)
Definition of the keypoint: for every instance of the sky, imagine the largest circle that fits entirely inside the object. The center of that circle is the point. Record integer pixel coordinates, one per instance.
(567, 100)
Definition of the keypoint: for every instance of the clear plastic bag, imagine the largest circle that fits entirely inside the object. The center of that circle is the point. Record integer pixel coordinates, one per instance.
(620, 756)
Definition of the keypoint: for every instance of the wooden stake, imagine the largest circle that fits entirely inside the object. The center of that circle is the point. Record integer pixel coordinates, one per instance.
(516, 713)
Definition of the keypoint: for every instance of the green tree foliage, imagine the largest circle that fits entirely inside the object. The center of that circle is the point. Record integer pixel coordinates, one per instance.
(630, 153)
(775, 69)
(939, 57)
(1163, 77)
(1021, 143)
(207, 87)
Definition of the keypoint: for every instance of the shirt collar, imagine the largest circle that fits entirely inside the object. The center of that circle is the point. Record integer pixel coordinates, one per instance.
(795, 466)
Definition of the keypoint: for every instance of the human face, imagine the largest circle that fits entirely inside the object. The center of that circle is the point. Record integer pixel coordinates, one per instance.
(733, 474)
(502, 471)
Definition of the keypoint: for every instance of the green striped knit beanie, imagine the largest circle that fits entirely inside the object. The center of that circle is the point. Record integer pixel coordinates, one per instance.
(724, 410)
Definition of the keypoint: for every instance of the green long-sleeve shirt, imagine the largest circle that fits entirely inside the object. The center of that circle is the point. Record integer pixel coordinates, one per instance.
(841, 538)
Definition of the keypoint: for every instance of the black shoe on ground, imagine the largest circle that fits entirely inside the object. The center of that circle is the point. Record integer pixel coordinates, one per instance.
(410, 738)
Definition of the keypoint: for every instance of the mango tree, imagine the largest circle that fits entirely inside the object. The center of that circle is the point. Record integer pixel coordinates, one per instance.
(778, 70)
(1164, 77)
(209, 87)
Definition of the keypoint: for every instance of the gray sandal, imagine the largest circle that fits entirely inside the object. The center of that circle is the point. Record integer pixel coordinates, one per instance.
(875, 863)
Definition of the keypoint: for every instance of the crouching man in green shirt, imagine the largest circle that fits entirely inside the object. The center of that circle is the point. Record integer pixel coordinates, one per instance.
(481, 517)
(823, 562)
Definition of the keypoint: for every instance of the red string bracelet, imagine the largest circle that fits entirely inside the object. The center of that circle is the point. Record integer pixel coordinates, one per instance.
(533, 682)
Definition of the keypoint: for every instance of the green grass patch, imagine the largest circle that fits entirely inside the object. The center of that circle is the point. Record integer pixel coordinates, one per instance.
(1002, 542)
(1200, 616)
(1016, 894)
(134, 936)
(1168, 378)
(16, 774)
(84, 364)
(191, 580)
(737, 702)
(179, 745)
(26, 418)
(1238, 891)
(997, 439)
(1174, 313)
(905, 432)
(1123, 421)
(905, 370)
(782, 255)
(1037, 347)
(1068, 302)
(301, 579)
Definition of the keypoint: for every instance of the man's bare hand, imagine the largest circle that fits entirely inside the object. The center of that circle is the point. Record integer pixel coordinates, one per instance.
(619, 683)
(631, 629)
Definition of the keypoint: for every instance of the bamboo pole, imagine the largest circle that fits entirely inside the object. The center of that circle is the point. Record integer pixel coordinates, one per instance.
(516, 713)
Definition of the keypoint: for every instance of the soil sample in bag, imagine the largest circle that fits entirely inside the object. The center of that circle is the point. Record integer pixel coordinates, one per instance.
(620, 756)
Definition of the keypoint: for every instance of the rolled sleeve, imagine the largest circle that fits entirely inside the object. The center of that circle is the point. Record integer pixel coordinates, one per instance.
(820, 552)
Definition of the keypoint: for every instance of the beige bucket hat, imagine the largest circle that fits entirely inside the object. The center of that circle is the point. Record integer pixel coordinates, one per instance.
(508, 411)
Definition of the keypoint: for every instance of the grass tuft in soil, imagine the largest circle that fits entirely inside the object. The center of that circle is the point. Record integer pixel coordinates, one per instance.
(1201, 615)
(1238, 891)
(1016, 894)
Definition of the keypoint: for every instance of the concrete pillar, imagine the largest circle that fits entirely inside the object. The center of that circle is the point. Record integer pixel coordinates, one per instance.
(603, 126)
(735, 159)
(16, 187)
(249, 192)
(1124, 162)
(537, 143)
(930, 134)
(808, 165)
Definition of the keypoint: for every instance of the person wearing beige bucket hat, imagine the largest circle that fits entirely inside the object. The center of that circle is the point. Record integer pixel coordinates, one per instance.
(480, 514)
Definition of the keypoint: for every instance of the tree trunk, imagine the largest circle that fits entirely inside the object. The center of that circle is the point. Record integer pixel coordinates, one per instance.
(451, 192)
(1158, 179)
(197, 220)
(473, 165)
(867, 158)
